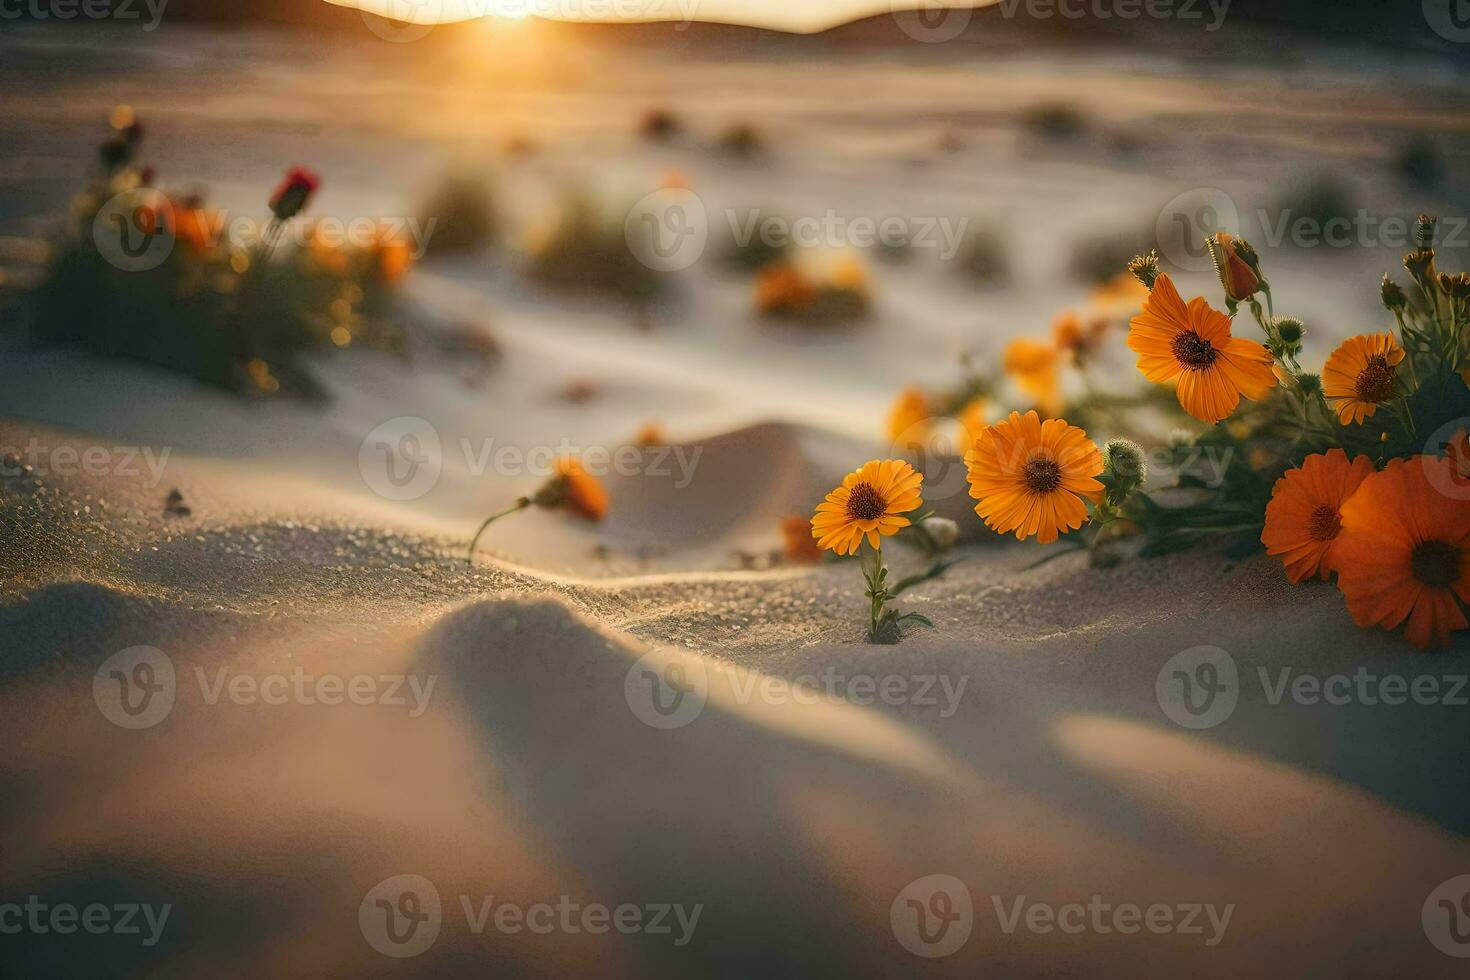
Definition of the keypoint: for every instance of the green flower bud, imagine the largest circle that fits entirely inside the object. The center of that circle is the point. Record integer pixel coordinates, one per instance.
(1125, 469)
(1393, 295)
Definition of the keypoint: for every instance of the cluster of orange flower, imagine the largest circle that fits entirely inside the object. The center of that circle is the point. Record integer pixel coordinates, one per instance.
(214, 308)
(1371, 501)
(785, 289)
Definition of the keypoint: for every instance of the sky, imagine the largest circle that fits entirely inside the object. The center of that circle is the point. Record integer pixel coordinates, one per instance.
(788, 15)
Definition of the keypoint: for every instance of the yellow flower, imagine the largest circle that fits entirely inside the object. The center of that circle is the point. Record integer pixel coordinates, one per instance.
(908, 420)
(869, 503)
(1360, 375)
(1034, 477)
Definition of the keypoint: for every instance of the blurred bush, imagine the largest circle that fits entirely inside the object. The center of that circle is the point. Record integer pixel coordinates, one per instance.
(1054, 121)
(463, 211)
(585, 249)
(1099, 257)
(842, 294)
(230, 316)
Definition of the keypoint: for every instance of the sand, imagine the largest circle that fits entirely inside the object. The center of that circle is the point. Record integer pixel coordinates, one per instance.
(523, 733)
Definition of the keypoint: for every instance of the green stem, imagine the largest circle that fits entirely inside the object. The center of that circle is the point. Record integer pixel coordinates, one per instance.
(520, 504)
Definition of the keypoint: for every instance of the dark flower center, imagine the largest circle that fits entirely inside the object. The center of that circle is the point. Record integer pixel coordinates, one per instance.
(865, 503)
(1194, 351)
(1436, 564)
(1375, 382)
(1324, 524)
(1042, 475)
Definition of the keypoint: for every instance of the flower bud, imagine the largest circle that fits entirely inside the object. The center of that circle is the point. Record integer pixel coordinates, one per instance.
(294, 193)
(1289, 329)
(1310, 383)
(1237, 275)
(1393, 296)
(941, 530)
(1125, 469)
(1424, 233)
(1145, 268)
(1420, 264)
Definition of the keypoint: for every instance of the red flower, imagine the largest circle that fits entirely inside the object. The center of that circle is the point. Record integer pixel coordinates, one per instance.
(294, 193)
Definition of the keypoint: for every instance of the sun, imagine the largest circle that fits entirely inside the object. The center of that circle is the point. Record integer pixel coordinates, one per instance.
(508, 9)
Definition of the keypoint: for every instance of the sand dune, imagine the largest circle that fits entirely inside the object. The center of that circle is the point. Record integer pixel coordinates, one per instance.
(537, 769)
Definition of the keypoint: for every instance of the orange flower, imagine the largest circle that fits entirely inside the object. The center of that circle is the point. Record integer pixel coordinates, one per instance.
(1404, 552)
(392, 255)
(1191, 345)
(1119, 295)
(1033, 477)
(973, 418)
(1304, 515)
(781, 288)
(1066, 331)
(1236, 275)
(869, 503)
(1070, 334)
(850, 274)
(198, 228)
(325, 251)
(800, 546)
(571, 487)
(908, 420)
(1360, 374)
(1033, 364)
(651, 434)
